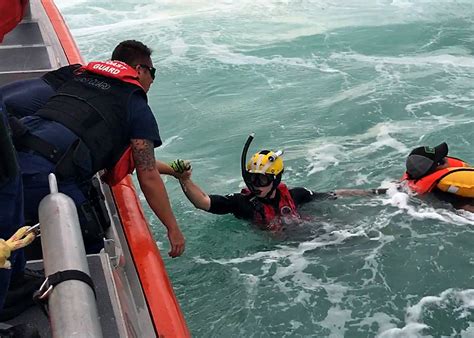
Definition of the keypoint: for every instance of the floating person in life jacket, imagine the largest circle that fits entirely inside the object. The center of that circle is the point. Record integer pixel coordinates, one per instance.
(266, 201)
(431, 170)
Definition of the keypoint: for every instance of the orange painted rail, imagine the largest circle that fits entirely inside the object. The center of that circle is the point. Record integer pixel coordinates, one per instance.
(161, 300)
(65, 38)
(166, 313)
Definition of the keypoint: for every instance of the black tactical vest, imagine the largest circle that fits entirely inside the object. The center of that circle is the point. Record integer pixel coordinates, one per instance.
(95, 108)
(56, 78)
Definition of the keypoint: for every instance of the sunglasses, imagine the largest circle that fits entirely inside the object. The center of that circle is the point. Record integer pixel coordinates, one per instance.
(261, 180)
(152, 70)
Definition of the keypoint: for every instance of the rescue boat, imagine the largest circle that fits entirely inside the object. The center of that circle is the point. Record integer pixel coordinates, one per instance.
(133, 293)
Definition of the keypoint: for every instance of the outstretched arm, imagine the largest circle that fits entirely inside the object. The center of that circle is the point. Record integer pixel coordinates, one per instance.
(193, 192)
(467, 207)
(360, 192)
(155, 192)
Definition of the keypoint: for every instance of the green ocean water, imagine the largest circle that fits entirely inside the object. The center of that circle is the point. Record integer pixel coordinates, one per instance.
(347, 89)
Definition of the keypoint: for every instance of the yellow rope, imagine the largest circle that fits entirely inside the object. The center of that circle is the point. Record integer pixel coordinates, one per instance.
(17, 241)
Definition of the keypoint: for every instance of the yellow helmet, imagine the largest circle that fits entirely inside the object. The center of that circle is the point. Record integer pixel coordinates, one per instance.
(266, 162)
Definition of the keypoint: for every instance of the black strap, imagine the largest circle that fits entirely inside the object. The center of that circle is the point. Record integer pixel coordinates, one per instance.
(23, 139)
(59, 277)
(62, 276)
(45, 149)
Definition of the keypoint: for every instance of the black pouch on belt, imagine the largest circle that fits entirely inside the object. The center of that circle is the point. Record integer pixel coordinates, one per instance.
(94, 211)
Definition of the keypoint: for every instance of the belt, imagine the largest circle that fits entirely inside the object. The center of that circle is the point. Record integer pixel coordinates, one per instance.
(32, 142)
(23, 139)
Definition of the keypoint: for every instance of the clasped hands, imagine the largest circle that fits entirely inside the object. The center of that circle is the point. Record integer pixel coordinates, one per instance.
(182, 169)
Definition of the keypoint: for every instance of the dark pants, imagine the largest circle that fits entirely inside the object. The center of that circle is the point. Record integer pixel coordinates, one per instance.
(11, 216)
(35, 170)
(36, 186)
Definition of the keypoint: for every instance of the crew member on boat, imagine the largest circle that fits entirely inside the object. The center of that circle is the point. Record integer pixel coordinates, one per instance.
(429, 170)
(94, 114)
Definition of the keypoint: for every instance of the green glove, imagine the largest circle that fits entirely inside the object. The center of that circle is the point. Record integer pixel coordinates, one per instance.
(180, 166)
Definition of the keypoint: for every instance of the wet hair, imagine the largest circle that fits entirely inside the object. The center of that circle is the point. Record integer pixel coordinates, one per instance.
(132, 52)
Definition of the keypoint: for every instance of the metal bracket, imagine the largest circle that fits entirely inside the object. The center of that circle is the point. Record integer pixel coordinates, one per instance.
(111, 250)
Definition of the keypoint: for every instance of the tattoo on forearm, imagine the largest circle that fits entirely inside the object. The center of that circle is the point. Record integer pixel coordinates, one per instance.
(143, 154)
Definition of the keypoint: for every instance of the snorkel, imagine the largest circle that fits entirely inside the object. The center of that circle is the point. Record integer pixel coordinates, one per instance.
(246, 174)
(243, 161)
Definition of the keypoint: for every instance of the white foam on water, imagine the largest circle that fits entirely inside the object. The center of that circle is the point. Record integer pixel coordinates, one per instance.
(453, 100)
(410, 330)
(414, 314)
(291, 263)
(169, 141)
(119, 28)
(65, 4)
(455, 61)
(371, 262)
(361, 179)
(468, 332)
(402, 200)
(295, 324)
(336, 320)
(179, 48)
(401, 3)
(328, 151)
(350, 94)
(225, 55)
(170, 25)
(323, 155)
(384, 139)
(383, 321)
(251, 283)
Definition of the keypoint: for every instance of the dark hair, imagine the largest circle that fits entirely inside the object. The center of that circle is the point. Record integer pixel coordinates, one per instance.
(131, 52)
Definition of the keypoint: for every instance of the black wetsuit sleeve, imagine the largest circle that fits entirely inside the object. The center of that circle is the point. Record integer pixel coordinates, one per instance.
(236, 204)
(302, 195)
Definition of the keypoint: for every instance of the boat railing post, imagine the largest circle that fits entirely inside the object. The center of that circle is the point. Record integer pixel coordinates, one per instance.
(72, 304)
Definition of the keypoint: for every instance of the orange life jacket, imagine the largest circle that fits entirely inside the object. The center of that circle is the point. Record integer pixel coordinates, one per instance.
(426, 184)
(114, 69)
(265, 214)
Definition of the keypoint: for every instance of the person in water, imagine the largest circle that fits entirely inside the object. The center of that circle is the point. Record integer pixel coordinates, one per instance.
(429, 170)
(266, 201)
